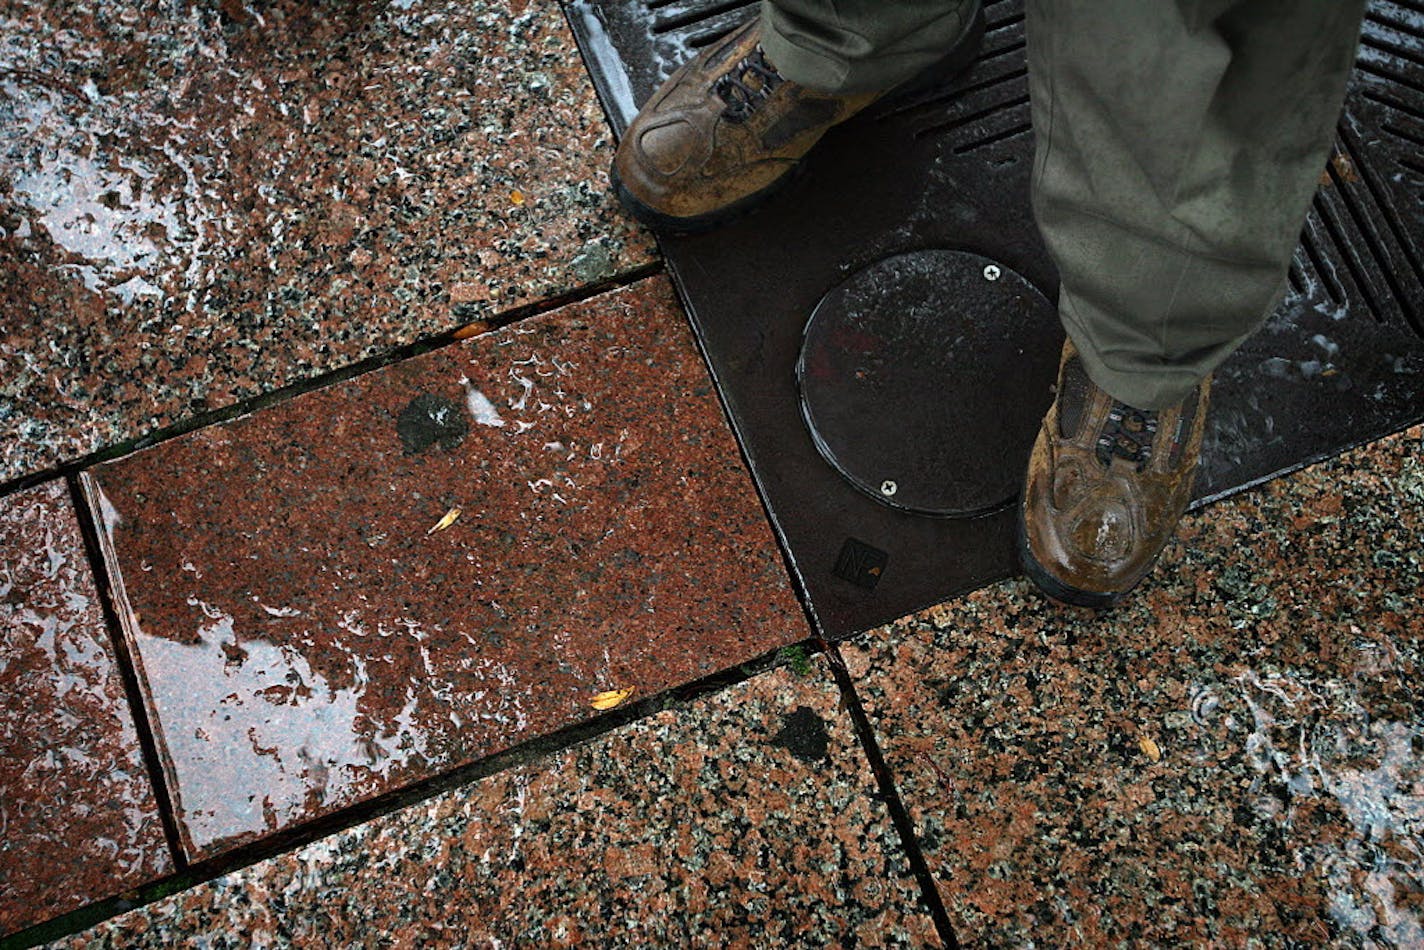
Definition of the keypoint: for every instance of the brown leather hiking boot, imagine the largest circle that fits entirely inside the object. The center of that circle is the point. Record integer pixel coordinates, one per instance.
(727, 129)
(1106, 486)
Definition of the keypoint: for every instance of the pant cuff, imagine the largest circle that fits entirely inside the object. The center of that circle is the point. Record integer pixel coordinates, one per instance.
(809, 63)
(1152, 386)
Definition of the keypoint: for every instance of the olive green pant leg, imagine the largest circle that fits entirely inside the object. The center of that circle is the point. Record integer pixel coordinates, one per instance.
(1178, 147)
(846, 46)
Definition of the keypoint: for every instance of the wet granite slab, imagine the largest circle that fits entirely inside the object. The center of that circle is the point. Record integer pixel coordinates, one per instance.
(742, 820)
(395, 575)
(1231, 758)
(201, 202)
(78, 821)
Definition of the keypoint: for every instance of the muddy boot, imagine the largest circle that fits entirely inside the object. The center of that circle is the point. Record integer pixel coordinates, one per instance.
(1106, 486)
(727, 129)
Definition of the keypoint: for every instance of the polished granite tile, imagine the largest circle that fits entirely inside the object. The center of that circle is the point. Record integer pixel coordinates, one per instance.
(78, 821)
(380, 580)
(200, 202)
(1231, 758)
(745, 819)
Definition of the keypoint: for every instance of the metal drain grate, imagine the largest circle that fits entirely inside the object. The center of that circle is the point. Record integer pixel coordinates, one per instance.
(1340, 362)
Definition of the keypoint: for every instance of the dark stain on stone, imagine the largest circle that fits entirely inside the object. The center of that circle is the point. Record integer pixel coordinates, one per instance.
(429, 420)
(804, 735)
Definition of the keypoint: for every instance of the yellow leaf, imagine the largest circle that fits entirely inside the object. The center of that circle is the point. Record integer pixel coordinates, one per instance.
(610, 698)
(445, 522)
(1149, 748)
(474, 328)
(516, 198)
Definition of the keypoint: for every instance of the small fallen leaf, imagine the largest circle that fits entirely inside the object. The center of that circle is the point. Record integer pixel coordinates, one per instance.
(1149, 748)
(610, 698)
(445, 522)
(474, 328)
(516, 198)
(1345, 168)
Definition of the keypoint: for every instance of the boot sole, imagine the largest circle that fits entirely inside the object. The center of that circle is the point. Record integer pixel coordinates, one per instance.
(965, 50)
(1052, 586)
(701, 223)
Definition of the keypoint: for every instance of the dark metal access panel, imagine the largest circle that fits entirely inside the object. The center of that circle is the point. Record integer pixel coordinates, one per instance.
(888, 444)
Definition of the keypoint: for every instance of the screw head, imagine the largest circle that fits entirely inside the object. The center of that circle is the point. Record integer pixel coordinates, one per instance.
(992, 272)
(888, 488)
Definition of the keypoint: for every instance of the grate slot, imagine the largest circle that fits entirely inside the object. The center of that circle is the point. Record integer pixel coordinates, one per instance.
(1327, 277)
(1393, 49)
(1394, 104)
(946, 101)
(1012, 131)
(696, 15)
(994, 26)
(1335, 231)
(1014, 47)
(1401, 133)
(1377, 18)
(964, 92)
(711, 36)
(944, 128)
(1409, 303)
(1381, 72)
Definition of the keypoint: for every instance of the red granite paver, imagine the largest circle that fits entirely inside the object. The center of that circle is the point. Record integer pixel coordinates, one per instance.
(309, 635)
(78, 821)
(201, 202)
(745, 819)
(1230, 758)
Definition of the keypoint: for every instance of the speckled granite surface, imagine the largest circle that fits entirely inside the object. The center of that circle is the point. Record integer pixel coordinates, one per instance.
(1232, 758)
(742, 820)
(203, 201)
(414, 569)
(77, 816)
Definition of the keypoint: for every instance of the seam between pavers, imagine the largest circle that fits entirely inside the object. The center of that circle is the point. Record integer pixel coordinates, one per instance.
(788, 563)
(890, 794)
(534, 750)
(128, 675)
(397, 354)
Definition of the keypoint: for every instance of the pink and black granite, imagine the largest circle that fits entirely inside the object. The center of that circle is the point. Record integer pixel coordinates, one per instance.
(742, 820)
(78, 821)
(1234, 757)
(201, 202)
(309, 635)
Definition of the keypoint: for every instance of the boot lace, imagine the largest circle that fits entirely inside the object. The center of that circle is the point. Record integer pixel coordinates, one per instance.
(1127, 434)
(747, 85)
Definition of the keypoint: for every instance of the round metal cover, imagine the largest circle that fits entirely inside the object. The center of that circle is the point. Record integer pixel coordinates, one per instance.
(924, 378)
